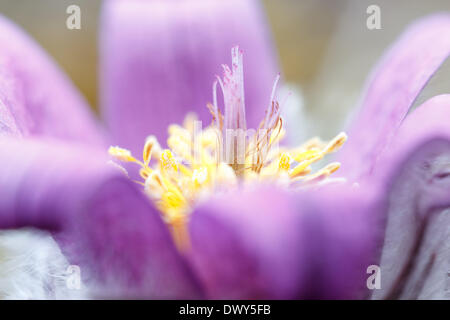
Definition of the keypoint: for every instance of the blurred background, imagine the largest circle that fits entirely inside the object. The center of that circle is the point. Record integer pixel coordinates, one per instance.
(324, 46)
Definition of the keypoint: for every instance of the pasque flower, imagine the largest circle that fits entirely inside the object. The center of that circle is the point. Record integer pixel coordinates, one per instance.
(255, 233)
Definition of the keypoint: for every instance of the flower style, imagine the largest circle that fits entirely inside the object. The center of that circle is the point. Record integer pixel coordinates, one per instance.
(264, 241)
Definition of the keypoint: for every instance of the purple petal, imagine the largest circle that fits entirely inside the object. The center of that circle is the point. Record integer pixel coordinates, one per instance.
(268, 244)
(394, 86)
(159, 60)
(415, 173)
(36, 98)
(101, 219)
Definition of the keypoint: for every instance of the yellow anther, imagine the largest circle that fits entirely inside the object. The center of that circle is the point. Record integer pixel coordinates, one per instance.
(121, 154)
(299, 170)
(284, 163)
(307, 155)
(168, 161)
(156, 150)
(323, 173)
(173, 199)
(332, 167)
(336, 143)
(155, 184)
(305, 171)
(145, 173)
(148, 148)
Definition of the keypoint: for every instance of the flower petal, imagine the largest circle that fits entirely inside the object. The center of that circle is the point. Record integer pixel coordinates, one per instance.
(36, 98)
(414, 172)
(177, 49)
(267, 244)
(392, 89)
(101, 219)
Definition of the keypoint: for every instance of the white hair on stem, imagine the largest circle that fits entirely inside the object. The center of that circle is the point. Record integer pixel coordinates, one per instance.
(33, 267)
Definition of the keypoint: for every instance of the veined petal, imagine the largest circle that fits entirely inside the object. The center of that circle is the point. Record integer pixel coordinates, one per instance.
(395, 84)
(268, 244)
(100, 218)
(414, 173)
(159, 61)
(36, 98)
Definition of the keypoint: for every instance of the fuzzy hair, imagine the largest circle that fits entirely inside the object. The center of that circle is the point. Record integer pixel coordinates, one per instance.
(33, 267)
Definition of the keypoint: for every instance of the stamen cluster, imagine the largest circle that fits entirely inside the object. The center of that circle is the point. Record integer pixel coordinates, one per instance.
(198, 163)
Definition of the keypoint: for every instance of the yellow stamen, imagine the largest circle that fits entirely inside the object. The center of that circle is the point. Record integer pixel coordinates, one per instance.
(285, 162)
(176, 179)
(145, 172)
(309, 154)
(302, 166)
(148, 147)
(121, 154)
(168, 161)
(332, 167)
(336, 143)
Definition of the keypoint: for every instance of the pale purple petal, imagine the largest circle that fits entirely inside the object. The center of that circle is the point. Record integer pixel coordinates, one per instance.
(392, 89)
(159, 60)
(414, 172)
(36, 98)
(101, 219)
(269, 244)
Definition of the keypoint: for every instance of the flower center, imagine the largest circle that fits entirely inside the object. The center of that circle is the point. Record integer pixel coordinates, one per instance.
(199, 163)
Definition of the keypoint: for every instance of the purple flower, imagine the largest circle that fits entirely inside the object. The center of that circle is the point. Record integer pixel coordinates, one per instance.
(262, 240)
